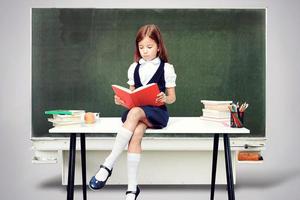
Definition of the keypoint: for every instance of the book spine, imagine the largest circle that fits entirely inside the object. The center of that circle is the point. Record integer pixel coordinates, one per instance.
(58, 112)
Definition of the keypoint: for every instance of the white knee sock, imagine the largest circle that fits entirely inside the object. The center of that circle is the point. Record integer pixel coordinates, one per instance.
(133, 160)
(122, 139)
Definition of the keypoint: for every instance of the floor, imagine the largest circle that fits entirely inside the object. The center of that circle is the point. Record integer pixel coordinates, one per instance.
(254, 181)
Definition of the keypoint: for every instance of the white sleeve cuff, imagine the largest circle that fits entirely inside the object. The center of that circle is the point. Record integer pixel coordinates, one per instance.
(130, 82)
(170, 85)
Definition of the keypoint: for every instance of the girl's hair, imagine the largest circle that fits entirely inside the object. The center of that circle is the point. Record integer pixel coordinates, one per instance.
(153, 32)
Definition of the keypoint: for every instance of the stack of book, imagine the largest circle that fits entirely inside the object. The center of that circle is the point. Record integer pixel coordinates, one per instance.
(216, 110)
(66, 117)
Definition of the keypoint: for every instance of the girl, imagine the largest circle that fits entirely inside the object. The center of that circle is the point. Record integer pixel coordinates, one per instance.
(150, 66)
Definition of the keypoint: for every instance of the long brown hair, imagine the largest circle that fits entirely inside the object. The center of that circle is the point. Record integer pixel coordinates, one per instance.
(153, 32)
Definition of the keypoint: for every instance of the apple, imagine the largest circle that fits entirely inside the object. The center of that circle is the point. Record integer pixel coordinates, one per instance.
(89, 118)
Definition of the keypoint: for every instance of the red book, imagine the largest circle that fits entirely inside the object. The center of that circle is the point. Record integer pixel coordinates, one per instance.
(143, 96)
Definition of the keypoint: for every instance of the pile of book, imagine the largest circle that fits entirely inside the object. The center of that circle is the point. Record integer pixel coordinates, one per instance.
(66, 117)
(216, 110)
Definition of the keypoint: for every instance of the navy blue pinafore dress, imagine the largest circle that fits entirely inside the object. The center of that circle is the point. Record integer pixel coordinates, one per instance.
(157, 115)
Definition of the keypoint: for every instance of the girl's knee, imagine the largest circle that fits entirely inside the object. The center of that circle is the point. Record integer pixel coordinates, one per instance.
(135, 112)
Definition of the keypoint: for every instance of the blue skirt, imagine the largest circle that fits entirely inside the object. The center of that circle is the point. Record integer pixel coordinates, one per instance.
(157, 116)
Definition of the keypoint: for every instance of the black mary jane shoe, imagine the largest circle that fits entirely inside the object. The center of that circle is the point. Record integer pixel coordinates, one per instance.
(95, 184)
(136, 193)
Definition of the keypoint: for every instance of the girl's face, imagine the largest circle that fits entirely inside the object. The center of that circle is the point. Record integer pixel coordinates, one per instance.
(148, 48)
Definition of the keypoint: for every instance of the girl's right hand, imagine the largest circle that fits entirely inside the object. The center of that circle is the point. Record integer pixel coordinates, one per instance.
(119, 101)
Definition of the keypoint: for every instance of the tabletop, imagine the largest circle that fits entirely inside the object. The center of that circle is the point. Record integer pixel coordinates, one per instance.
(175, 125)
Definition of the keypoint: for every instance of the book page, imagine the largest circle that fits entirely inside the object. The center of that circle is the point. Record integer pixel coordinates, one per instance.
(143, 87)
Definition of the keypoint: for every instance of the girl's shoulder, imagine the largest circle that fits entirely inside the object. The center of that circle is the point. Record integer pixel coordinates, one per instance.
(133, 64)
(132, 67)
(169, 64)
(169, 67)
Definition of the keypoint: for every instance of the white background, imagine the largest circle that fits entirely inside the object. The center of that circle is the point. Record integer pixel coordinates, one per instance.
(277, 178)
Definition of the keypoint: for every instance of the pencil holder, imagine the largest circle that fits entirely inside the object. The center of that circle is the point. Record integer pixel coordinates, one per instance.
(236, 120)
(241, 116)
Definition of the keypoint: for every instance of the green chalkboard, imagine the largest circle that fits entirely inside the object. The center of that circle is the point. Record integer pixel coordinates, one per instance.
(218, 54)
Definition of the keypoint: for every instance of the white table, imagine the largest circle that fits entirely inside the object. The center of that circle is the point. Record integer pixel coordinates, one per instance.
(178, 125)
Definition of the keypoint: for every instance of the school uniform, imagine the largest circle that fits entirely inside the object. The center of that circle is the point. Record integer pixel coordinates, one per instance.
(154, 71)
(139, 74)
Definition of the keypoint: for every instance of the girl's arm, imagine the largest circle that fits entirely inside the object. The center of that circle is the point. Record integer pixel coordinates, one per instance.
(169, 98)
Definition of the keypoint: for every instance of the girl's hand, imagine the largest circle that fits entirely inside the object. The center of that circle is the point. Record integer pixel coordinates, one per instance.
(161, 97)
(118, 101)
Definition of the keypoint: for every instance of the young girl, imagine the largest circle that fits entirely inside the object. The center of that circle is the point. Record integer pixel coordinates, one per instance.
(150, 66)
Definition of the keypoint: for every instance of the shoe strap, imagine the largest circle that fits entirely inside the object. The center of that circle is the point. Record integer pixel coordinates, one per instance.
(108, 170)
(131, 192)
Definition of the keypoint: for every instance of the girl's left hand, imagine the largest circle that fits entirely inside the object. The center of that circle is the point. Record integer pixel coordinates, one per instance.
(161, 97)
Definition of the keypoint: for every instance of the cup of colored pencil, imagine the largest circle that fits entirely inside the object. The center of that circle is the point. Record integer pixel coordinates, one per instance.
(237, 114)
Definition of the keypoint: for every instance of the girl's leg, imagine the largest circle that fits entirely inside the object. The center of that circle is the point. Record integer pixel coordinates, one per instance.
(133, 158)
(123, 136)
(134, 145)
(135, 115)
(122, 139)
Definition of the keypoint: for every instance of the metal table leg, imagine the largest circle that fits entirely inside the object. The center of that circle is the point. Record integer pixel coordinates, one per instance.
(229, 174)
(214, 166)
(83, 164)
(71, 172)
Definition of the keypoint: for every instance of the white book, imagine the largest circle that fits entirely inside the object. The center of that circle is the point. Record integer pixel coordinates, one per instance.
(67, 118)
(213, 102)
(222, 107)
(224, 120)
(215, 113)
(65, 122)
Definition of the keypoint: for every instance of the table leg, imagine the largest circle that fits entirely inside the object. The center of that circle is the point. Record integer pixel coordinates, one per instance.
(83, 164)
(214, 166)
(229, 174)
(71, 172)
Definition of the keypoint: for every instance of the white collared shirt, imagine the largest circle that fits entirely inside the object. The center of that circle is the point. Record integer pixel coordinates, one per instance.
(148, 69)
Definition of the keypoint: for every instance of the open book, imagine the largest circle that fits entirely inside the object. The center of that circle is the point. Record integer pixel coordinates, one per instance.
(143, 96)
